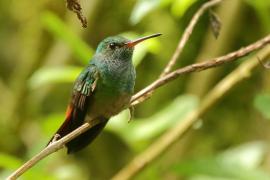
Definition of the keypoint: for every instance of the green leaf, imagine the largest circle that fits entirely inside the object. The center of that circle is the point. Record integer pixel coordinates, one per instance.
(51, 123)
(206, 177)
(248, 155)
(262, 10)
(50, 75)
(9, 162)
(61, 31)
(142, 8)
(215, 169)
(262, 104)
(237, 163)
(180, 7)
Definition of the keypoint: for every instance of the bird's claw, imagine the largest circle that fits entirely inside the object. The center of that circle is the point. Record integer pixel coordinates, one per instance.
(55, 138)
(265, 65)
(131, 113)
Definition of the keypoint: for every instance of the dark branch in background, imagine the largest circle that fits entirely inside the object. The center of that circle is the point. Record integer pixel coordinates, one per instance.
(75, 6)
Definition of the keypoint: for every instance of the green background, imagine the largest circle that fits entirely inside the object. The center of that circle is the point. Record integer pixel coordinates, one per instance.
(43, 48)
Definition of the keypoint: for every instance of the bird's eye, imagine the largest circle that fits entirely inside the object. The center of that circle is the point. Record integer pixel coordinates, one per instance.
(112, 45)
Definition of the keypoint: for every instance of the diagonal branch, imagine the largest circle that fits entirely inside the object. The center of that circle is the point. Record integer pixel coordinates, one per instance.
(142, 95)
(51, 148)
(186, 35)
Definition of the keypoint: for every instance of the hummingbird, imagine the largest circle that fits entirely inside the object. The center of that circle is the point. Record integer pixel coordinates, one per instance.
(102, 90)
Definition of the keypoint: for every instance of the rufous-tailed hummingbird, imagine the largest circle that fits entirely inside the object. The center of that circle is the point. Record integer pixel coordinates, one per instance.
(102, 89)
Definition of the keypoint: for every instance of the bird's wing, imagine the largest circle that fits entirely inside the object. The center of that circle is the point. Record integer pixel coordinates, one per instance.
(84, 86)
(83, 89)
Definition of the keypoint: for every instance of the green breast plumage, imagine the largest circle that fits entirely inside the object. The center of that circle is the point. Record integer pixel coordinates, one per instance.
(117, 77)
(114, 88)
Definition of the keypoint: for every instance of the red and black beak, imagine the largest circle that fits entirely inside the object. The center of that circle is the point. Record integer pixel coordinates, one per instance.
(137, 41)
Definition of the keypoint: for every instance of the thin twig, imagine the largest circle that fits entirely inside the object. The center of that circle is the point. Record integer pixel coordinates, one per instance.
(182, 42)
(142, 95)
(187, 34)
(168, 139)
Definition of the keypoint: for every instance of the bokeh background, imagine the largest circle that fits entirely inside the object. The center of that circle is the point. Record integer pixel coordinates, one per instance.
(43, 48)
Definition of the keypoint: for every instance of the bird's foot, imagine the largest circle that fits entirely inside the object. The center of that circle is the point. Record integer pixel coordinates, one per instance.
(131, 113)
(55, 138)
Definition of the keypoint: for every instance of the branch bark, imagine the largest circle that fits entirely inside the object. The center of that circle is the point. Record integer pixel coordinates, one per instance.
(51, 148)
(142, 95)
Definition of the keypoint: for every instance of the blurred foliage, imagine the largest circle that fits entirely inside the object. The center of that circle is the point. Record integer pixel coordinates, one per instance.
(42, 51)
(236, 163)
(46, 76)
(54, 24)
(139, 133)
(262, 103)
(9, 162)
(262, 9)
(144, 7)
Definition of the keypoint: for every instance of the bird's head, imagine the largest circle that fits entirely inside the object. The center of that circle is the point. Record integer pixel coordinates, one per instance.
(118, 47)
